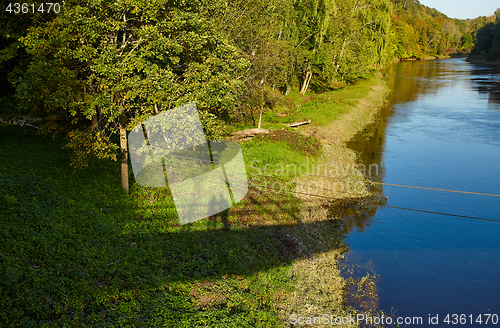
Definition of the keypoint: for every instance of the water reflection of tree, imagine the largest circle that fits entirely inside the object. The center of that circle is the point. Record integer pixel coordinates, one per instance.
(410, 80)
(417, 78)
(369, 144)
(356, 213)
(487, 81)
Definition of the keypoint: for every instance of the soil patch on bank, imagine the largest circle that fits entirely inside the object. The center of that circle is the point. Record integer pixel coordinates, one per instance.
(335, 177)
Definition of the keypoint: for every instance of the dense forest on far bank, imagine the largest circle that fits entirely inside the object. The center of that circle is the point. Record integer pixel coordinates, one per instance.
(487, 47)
(95, 69)
(422, 32)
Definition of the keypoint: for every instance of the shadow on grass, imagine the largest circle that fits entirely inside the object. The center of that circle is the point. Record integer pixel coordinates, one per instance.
(322, 85)
(70, 262)
(76, 250)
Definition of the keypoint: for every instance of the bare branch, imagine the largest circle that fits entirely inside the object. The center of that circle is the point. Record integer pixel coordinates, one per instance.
(138, 42)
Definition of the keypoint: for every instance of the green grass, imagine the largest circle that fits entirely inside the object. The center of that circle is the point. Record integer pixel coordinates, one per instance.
(76, 250)
(321, 108)
(326, 107)
(281, 147)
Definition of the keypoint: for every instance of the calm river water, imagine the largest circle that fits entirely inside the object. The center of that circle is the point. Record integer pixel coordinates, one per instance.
(441, 129)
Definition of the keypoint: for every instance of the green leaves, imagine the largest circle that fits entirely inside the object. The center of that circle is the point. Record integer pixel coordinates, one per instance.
(87, 145)
(111, 50)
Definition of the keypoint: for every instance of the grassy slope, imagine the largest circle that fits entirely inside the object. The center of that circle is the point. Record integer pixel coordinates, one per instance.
(75, 250)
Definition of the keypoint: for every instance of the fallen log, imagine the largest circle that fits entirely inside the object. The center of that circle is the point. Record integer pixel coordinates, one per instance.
(247, 134)
(296, 124)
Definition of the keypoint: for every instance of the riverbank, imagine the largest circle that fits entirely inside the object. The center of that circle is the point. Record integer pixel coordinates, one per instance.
(337, 174)
(339, 178)
(397, 60)
(336, 117)
(482, 62)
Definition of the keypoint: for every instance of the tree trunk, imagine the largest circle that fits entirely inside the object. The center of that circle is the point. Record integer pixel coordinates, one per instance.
(307, 79)
(94, 122)
(306, 72)
(124, 154)
(260, 116)
(305, 85)
(261, 105)
(340, 55)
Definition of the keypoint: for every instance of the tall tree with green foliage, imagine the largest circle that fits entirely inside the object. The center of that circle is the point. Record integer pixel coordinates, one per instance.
(358, 38)
(263, 32)
(120, 62)
(487, 47)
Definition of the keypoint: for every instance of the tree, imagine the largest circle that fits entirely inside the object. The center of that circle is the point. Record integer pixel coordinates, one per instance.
(263, 31)
(313, 23)
(13, 59)
(130, 59)
(467, 42)
(487, 47)
(424, 31)
(359, 37)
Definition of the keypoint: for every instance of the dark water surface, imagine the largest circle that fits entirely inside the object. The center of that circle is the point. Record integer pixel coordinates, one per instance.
(440, 130)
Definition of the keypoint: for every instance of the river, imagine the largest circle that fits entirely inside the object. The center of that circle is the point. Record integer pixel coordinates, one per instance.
(440, 129)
